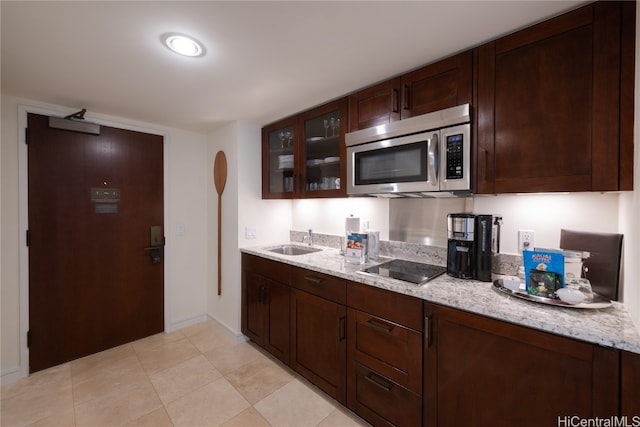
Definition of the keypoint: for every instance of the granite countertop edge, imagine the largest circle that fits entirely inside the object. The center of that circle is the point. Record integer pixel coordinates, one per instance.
(609, 327)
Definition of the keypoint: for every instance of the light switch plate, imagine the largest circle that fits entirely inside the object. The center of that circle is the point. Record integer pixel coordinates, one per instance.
(249, 233)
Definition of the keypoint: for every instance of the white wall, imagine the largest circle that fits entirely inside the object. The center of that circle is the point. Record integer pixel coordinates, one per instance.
(327, 216)
(546, 214)
(630, 209)
(185, 205)
(242, 206)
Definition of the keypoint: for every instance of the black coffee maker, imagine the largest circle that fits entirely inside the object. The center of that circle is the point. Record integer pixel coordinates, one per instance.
(473, 240)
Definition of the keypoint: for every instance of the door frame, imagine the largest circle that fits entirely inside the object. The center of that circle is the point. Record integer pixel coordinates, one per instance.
(23, 212)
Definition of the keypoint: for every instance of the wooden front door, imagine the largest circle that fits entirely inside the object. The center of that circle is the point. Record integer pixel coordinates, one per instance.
(93, 200)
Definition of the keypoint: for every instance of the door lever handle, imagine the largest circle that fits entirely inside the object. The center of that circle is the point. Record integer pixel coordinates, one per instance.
(155, 252)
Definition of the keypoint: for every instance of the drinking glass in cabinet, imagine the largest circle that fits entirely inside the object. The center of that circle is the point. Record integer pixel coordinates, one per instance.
(281, 160)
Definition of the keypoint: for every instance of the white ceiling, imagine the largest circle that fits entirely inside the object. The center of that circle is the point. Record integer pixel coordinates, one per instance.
(265, 60)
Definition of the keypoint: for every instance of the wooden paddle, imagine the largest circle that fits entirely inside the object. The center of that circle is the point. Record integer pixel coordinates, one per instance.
(220, 179)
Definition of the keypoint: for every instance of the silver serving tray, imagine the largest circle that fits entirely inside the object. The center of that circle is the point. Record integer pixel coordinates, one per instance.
(598, 300)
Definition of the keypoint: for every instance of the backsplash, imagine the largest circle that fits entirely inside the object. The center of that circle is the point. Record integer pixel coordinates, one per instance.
(502, 264)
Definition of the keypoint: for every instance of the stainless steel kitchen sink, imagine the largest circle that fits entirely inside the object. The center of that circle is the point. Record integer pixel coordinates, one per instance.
(294, 250)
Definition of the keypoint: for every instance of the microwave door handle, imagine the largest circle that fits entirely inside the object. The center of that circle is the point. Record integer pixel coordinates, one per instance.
(432, 162)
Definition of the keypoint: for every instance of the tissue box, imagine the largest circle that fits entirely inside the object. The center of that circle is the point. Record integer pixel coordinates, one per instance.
(544, 272)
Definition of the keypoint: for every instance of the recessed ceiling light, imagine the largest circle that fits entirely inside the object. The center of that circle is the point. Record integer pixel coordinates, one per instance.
(182, 44)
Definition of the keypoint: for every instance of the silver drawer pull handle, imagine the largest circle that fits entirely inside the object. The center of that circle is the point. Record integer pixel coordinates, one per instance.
(379, 382)
(312, 279)
(380, 326)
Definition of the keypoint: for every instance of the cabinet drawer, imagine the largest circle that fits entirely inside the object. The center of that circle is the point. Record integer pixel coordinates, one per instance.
(396, 307)
(391, 349)
(322, 285)
(384, 402)
(274, 270)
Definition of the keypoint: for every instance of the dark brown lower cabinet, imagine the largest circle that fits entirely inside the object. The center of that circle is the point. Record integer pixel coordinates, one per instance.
(384, 357)
(265, 305)
(396, 360)
(485, 372)
(630, 386)
(318, 332)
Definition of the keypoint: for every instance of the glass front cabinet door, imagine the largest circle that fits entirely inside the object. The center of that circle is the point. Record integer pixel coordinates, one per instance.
(304, 156)
(323, 150)
(279, 157)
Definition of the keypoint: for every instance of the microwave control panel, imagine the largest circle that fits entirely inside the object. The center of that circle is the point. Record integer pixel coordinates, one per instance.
(454, 157)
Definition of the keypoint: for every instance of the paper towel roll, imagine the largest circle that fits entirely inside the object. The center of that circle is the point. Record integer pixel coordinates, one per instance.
(351, 225)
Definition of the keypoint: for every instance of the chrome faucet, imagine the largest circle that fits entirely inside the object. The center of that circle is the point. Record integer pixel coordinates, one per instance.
(308, 238)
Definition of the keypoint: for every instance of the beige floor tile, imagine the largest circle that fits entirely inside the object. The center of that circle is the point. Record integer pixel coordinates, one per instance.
(157, 340)
(61, 418)
(157, 418)
(86, 367)
(52, 401)
(120, 376)
(195, 329)
(295, 404)
(247, 418)
(228, 359)
(209, 338)
(39, 381)
(169, 380)
(210, 405)
(184, 378)
(118, 407)
(342, 418)
(259, 378)
(166, 354)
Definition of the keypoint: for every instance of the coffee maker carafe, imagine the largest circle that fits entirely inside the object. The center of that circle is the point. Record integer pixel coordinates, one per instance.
(461, 246)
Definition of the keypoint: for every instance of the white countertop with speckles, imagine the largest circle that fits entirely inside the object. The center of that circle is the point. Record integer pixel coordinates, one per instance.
(610, 327)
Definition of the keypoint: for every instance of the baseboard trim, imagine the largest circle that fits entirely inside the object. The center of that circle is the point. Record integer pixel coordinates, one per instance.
(11, 375)
(237, 336)
(174, 326)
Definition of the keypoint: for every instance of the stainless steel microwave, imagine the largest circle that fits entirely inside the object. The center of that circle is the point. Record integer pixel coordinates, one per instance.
(422, 156)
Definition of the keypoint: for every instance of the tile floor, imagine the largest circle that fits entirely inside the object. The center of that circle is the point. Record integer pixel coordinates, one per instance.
(197, 376)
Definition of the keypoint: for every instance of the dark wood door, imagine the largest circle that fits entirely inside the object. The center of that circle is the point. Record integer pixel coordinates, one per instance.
(437, 86)
(549, 105)
(375, 105)
(265, 305)
(484, 372)
(630, 385)
(92, 283)
(276, 319)
(281, 174)
(318, 342)
(252, 312)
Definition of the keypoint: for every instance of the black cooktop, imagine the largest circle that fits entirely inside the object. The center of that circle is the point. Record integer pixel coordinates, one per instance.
(409, 271)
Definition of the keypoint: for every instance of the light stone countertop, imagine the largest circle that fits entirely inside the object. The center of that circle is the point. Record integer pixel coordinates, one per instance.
(609, 327)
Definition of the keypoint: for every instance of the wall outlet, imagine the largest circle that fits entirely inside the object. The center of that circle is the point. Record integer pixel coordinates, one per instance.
(526, 240)
(249, 233)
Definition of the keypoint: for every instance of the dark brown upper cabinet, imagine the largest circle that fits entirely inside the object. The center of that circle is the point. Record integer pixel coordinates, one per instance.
(304, 156)
(280, 151)
(440, 85)
(555, 104)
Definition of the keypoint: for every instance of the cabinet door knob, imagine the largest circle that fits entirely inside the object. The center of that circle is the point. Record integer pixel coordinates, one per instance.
(342, 333)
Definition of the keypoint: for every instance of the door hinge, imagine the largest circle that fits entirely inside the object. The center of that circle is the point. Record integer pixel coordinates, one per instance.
(26, 136)
(28, 238)
(28, 339)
